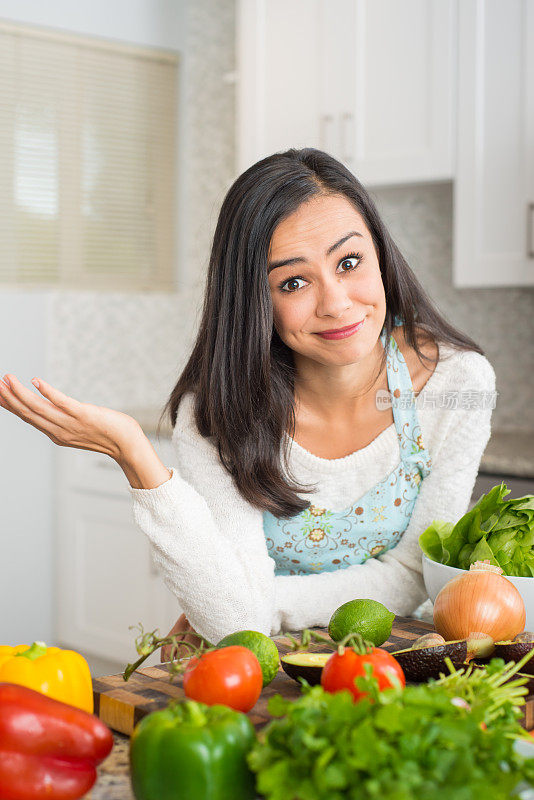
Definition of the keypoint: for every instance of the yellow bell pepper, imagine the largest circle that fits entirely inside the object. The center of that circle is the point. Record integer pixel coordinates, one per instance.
(61, 674)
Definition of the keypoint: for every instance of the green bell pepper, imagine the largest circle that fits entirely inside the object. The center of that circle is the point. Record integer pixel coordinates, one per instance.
(191, 751)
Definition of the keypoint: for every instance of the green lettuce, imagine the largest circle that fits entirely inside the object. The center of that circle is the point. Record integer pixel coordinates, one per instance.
(499, 530)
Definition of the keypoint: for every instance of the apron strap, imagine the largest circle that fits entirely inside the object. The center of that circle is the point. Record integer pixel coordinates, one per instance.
(412, 450)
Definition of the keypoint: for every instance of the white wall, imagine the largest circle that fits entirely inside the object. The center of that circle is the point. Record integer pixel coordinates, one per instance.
(27, 457)
(26, 482)
(158, 23)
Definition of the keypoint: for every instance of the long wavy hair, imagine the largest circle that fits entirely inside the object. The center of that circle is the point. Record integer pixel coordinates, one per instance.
(240, 372)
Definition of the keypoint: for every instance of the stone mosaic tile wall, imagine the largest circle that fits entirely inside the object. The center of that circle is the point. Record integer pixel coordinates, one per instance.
(500, 320)
(119, 350)
(125, 350)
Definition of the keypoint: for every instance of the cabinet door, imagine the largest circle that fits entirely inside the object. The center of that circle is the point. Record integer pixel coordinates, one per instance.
(403, 58)
(106, 580)
(369, 81)
(279, 58)
(494, 192)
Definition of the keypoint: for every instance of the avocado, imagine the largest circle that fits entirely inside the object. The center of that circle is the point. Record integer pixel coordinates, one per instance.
(305, 665)
(422, 663)
(514, 651)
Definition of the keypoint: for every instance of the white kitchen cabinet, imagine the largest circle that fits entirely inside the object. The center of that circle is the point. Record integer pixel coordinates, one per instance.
(277, 77)
(494, 189)
(106, 579)
(370, 81)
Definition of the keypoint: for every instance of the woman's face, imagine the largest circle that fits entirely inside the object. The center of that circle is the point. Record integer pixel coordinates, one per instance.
(336, 281)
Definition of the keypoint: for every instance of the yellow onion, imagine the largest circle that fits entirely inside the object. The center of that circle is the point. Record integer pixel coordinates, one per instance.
(479, 600)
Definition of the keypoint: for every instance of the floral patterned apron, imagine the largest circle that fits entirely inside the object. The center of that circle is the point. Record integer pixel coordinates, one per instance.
(319, 539)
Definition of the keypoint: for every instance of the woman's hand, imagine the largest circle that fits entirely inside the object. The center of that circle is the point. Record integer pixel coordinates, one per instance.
(181, 624)
(66, 421)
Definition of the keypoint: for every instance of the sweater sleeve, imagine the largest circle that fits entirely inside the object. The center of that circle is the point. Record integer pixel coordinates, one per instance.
(395, 578)
(208, 541)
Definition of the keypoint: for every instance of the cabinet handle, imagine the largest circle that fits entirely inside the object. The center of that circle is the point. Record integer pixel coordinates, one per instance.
(346, 118)
(530, 230)
(324, 120)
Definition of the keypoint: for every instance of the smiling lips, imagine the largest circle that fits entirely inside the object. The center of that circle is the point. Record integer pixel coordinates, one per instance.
(341, 333)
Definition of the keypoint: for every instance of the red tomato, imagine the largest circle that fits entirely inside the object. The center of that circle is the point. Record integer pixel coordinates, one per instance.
(231, 676)
(340, 671)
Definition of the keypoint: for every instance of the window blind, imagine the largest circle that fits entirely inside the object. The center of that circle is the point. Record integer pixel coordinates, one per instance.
(87, 162)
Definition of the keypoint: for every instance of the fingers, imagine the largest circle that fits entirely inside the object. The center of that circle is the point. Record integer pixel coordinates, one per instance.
(182, 626)
(63, 401)
(26, 404)
(166, 652)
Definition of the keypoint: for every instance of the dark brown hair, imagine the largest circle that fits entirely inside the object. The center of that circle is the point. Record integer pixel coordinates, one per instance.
(240, 371)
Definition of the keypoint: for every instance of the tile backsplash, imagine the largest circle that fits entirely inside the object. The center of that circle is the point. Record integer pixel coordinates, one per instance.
(125, 350)
(119, 350)
(500, 320)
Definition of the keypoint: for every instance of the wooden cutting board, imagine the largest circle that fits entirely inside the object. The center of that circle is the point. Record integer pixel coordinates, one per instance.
(121, 704)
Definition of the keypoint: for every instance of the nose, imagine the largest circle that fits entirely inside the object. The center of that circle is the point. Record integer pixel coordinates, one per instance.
(333, 300)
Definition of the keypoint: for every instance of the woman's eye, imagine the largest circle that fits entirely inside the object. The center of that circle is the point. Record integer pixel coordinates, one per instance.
(348, 259)
(291, 284)
(288, 287)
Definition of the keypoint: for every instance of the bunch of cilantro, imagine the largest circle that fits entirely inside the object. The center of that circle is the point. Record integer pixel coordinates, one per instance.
(425, 742)
(499, 530)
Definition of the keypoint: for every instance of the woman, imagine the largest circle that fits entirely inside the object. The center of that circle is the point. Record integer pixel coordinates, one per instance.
(305, 470)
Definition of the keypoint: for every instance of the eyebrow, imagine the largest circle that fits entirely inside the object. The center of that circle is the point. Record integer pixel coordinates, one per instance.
(301, 260)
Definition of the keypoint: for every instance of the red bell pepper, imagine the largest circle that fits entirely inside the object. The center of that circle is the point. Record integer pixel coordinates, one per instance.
(48, 749)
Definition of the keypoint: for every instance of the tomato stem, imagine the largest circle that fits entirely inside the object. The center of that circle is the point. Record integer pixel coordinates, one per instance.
(148, 643)
(360, 645)
(354, 640)
(306, 637)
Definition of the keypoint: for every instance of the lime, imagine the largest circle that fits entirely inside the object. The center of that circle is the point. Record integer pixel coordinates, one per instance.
(263, 648)
(368, 617)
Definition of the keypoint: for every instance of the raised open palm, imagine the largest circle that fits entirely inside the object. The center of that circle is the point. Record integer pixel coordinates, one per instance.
(66, 421)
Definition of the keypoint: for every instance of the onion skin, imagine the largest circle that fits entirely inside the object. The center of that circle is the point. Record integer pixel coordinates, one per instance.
(479, 601)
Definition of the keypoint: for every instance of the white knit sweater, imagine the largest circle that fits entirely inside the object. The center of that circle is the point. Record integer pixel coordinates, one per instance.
(209, 541)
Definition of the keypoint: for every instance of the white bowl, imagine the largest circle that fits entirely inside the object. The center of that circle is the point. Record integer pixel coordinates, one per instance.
(437, 575)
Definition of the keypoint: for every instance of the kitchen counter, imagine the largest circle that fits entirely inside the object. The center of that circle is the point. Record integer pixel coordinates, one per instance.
(113, 781)
(507, 452)
(151, 684)
(510, 453)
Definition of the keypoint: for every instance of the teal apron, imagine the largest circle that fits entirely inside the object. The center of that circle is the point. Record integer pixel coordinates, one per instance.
(319, 539)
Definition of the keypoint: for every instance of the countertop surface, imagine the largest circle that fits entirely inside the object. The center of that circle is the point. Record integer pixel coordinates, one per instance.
(113, 782)
(511, 453)
(507, 452)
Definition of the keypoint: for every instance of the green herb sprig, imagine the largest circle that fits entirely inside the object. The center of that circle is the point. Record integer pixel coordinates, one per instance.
(452, 738)
(490, 688)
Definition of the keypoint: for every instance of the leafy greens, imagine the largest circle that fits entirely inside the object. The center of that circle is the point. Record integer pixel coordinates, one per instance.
(451, 739)
(499, 530)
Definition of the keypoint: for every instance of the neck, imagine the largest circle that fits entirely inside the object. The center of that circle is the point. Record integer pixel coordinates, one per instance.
(326, 389)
